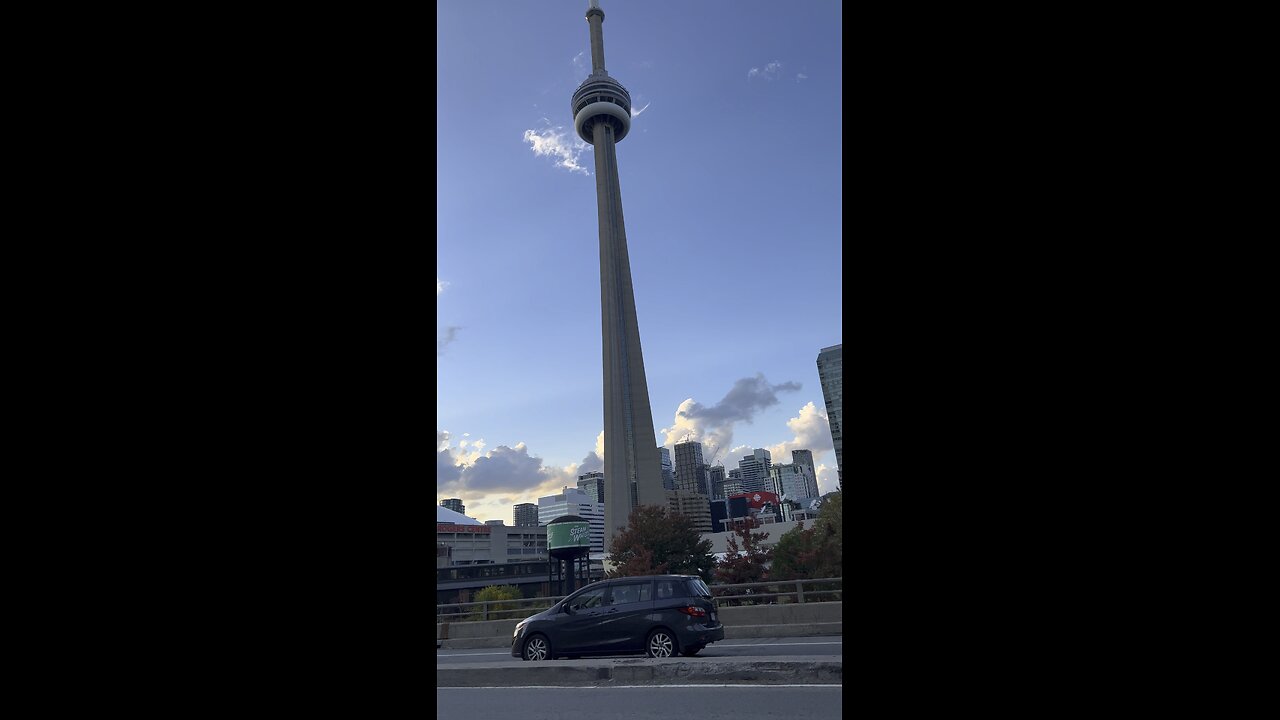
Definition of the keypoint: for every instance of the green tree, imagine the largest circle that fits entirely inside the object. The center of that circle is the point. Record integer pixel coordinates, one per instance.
(795, 557)
(746, 556)
(496, 592)
(816, 552)
(829, 529)
(656, 542)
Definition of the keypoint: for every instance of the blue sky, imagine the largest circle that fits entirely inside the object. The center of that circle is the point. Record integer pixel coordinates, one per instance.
(731, 189)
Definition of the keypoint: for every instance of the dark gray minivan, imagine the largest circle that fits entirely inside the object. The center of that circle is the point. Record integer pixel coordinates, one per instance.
(658, 615)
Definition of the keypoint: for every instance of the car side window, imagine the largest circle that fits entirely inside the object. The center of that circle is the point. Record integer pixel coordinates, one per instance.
(588, 600)
(623, 594)
(666, 589)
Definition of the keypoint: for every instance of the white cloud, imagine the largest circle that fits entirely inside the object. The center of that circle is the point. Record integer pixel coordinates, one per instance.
(636, 113)
(490, 482)
(770, 72)
(801, 76)
(828, 479)
(440, 286)
(578, 63)
(812, 432)
(556, 142)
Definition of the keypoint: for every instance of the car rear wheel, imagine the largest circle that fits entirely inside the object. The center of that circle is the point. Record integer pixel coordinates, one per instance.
(537, 648)
(691, 650)
(661, 644)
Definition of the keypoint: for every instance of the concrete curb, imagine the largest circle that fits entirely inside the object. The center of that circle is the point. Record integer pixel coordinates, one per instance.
(731, 632)
(822, 670)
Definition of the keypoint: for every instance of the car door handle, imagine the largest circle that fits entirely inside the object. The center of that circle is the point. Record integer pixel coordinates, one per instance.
(613, 610)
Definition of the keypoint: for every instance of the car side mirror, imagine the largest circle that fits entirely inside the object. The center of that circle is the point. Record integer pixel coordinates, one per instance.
(568, 609)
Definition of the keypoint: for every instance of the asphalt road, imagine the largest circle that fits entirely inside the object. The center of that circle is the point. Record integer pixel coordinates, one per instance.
(660, 702)
(744, 648)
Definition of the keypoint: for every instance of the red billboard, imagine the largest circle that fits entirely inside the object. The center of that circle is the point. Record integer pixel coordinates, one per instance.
(757, 499)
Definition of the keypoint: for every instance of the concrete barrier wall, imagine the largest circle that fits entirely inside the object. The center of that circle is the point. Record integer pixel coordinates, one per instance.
(798, 619)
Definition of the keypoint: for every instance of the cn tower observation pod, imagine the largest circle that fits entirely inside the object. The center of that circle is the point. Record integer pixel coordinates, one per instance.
(600, 98)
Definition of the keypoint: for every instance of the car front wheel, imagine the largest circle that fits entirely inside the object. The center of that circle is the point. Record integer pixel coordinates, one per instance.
(661, 644)
(537, 648)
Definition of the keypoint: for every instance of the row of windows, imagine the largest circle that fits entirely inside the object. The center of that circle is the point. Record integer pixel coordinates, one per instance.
(470, 572)
(599, 98)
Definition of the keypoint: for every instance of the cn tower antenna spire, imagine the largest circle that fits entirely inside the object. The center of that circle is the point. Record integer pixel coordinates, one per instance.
(595, 18)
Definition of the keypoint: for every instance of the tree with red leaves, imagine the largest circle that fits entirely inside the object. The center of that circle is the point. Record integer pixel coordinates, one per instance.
(745, 558)
(656, 542)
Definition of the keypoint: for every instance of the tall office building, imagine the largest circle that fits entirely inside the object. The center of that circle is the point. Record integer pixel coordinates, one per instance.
(525, 515)
(575, 502)
(733, 483)
(668, 470)
(633, 474)
(804, 457)
(691, 471)
(829, 374)
(455, 505)
(715, 478)
(592, 483)
(754, 469)
(694, 505)
(794, 481)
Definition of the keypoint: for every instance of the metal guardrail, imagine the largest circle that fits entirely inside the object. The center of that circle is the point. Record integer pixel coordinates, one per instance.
(760, 593)
(779, 591)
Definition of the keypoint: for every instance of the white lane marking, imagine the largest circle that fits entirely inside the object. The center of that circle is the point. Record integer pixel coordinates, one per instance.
(713, 645)
(716, 645)
(620, 687)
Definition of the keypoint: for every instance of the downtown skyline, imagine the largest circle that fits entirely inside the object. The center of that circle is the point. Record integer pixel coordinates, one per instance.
(731, 184)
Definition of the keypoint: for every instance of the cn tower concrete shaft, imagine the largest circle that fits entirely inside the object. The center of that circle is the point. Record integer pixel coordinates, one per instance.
(632, 468)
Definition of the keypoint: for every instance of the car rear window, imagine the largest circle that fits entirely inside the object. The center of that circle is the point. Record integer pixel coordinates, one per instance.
(699, 588)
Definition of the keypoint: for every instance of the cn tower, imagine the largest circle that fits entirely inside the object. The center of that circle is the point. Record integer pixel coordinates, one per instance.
(632, 469)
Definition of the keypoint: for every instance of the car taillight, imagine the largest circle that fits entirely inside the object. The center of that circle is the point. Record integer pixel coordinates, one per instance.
(693, 611)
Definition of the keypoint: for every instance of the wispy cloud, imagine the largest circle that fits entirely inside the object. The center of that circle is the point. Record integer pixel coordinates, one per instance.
(559, 144)
(440, 286)
(635, 112)
(579, 63)
(770, 72)
(801, 76)
(450, 333)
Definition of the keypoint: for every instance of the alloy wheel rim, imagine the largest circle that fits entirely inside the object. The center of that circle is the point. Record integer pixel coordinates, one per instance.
(536, 649)
(660, 645)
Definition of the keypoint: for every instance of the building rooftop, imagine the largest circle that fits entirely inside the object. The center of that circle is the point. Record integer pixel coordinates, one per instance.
(445, 515)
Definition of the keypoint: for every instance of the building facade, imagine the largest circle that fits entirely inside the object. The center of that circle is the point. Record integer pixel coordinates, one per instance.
(455, 505)
(716, 478)
(754, 470)
(733, 483)
(805, 458)
(691, 471)
(668, 470)
(490, 544)
(695, 506)
(525, 515)
(830, 376)
(592, 484)
(575, 502)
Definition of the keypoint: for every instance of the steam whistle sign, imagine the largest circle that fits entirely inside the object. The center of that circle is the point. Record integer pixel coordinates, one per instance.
(579, 535)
